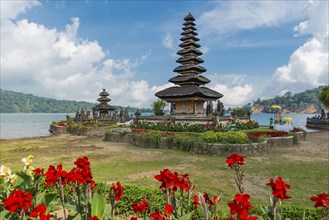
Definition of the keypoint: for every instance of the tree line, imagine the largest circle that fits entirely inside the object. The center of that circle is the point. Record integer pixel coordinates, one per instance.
(16, 102)
(291, 102)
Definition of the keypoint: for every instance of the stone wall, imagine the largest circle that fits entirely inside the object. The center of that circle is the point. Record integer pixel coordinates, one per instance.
(58, 129)
(318, 124)
(87, 131)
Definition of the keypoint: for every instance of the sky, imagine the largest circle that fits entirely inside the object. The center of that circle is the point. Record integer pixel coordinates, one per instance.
(72, 50)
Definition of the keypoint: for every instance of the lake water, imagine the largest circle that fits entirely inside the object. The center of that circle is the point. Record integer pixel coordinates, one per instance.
(24, 125)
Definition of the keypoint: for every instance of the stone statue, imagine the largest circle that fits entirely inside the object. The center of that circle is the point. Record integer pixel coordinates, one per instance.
(209, 108)
(126, 115)
(121, 115)
(94, 114)
(220, 108)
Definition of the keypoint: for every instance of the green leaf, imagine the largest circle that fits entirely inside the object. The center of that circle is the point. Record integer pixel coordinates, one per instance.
(188, 216)
(27, 180)
(98, 205)
(40, 198)
(49, 197)
(3, 214)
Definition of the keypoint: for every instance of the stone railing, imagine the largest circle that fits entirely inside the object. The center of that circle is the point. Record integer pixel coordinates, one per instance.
(253, 149)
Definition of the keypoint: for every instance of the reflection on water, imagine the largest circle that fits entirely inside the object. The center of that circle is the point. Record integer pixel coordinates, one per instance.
(23, 125)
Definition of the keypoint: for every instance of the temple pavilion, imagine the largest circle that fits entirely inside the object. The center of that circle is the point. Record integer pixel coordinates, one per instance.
(103, 110)
(189, 93)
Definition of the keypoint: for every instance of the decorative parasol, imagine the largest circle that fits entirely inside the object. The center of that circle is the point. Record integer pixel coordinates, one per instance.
(288, 118)
(276, 106)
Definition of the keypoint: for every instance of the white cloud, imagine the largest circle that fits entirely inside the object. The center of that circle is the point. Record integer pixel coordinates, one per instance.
(204, 49)
(308, 65)
(10, 9)
(237, 89)
(230, 16)
(168, 42)
(236, 95)
(58, 64)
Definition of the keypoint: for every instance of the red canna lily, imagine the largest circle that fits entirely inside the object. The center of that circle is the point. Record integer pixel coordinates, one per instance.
(279, 188)
(40, 212)
(38, 171)
(157, 216)
(168, 210)
(140, 207)
(53, 175)
(168, 179)
(94, 218)
(18, 200)
(241, 206)
(196, 201)
(235, 159)
(81, 173)
(163, 215)
(117, 190)
(321, 200)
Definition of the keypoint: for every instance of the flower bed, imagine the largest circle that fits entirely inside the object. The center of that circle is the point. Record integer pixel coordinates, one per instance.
(37, 194)
(234, 124)
(268, 134)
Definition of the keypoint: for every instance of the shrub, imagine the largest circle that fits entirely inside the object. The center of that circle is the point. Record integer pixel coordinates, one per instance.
(230, 137)
(290, 211)
(77, 129)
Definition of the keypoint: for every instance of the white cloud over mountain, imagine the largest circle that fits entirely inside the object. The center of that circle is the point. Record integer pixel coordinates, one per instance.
(308, 65)
(58, 64)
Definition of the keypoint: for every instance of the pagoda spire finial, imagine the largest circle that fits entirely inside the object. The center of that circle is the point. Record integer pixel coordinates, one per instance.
(189, 17)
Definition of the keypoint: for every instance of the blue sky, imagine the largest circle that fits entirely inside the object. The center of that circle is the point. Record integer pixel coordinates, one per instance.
(73, 49)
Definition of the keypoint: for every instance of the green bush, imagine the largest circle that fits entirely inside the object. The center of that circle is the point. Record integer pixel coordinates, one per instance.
(177, 127)
(186, 142)
(293, 212)
(230, 137)
(151, 139)
(134, 193)
(76, 129)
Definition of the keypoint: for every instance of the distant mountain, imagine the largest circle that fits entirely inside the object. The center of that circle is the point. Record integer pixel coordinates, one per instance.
(14, 102)
(306, 102)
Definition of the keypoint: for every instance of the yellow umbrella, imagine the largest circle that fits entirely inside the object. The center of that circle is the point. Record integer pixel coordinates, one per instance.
(288, 118)
(276, 106)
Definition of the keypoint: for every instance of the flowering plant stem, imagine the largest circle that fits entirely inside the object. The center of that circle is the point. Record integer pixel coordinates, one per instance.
(62, 197)
(22, 214)
(239, 178)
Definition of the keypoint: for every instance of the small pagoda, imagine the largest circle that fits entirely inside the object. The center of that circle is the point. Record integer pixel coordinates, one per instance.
(189, 94)
(103, 110)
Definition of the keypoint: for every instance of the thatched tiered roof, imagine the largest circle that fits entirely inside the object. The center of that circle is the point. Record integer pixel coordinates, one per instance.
(189, 82)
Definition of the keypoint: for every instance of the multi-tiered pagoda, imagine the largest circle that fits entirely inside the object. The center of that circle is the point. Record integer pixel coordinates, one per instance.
(103, 109)
(189, 94)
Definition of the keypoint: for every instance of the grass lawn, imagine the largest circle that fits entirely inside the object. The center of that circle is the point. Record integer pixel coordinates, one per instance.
(304, 167)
